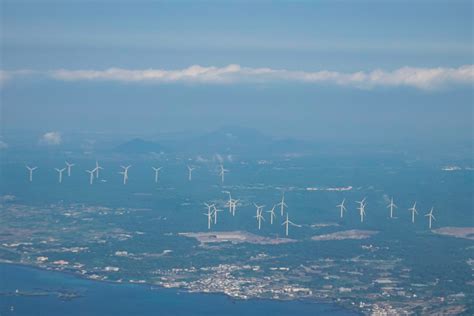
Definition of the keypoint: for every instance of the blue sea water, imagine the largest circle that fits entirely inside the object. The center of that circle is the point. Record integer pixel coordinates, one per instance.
(100, 298)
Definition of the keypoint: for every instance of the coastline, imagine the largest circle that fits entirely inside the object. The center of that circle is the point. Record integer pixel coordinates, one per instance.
(332, 308)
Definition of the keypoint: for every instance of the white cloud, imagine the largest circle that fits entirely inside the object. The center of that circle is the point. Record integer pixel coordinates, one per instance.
(422, 78)
(51, 138)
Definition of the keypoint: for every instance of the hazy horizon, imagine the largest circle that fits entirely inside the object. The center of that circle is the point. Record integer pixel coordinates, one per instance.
(319, 71)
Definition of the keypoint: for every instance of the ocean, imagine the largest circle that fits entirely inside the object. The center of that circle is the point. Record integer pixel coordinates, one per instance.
(102, 298)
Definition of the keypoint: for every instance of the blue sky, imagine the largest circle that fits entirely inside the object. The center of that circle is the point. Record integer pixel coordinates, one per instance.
(294, 40)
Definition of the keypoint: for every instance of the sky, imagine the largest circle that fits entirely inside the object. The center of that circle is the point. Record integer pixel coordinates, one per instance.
(367, 71)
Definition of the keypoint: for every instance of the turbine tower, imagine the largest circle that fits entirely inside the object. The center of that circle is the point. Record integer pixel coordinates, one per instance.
(97, 168)
(157, 170)
(222, 173)
(215, 213)
(229, 203)
(60, 171)
(233, 206)
(342, 207)
(209, 217)
(361, 209)
(259, 218)
(287, 223)
(69, 167)
(125, 173)
(31, 169)
(91, 173)
(282, 204)
(272, 214)
(190, 172)
(430, 217)
(413, 212)
(391, 206)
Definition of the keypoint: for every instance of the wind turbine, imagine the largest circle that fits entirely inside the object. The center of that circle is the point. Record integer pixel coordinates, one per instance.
(259, 218)
(157, 170)
(190, 172)
(233, 204)
(209, 206)
(125, 173)
(60, 174)
(342, 207)
(209, 217)
(361, 209)
(229, 202)
(361, 202)
(97, 168)
(391, 206)
(272, 214)
(431, 217)
(215, 213)
(287, 223)
(282, 204)
(69, 166)
(31, 169)
(91, 173)
(259, 207)
(413, 212)
(222, 173)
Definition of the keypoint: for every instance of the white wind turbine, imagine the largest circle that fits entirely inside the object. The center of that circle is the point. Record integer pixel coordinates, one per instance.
(272, 214)
(97, 168)
(69, 167)
(361, 202)
(91, 173)
(282, 204)
(287, 223)
(60, 171)
(215, 213)
(430, 217)
(413, 212)
(190, 172)
(342, 207)
(222, 173)
(391, 206)
(259, 218)
(209, 217)
(229, 203)
(361, 209)
(209, 206)
(30, 170)
(125, 173)
(259, 208)
(157, 170)
(233, 204)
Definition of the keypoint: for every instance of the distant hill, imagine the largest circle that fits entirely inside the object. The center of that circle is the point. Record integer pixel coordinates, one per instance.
(139, 146)
(226, 140)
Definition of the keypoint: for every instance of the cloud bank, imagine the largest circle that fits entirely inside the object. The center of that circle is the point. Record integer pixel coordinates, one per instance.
(51, 139)
(420, 78)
